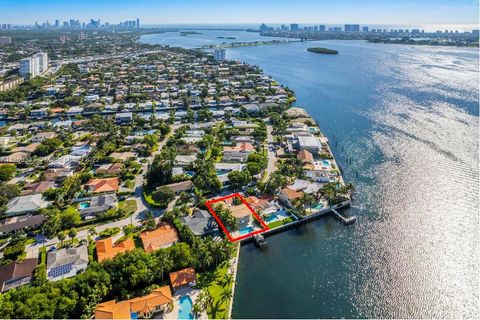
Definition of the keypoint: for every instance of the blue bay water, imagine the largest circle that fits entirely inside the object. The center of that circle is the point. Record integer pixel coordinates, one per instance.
(408, 117)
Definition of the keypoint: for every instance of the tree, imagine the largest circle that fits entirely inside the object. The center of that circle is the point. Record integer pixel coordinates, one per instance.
(8, 192)
(72, 233)
(70, 217)
(225, 215)
(163, 196)
(7, 171)
(239, 179)
(61, 236)
(53, 221)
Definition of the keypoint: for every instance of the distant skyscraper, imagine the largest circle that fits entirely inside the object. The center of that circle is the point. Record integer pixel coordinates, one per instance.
(365, 29)
(294, 27)
(138, 23)
(219, 54)
(321, 28)
(352, 28)
(57, 23)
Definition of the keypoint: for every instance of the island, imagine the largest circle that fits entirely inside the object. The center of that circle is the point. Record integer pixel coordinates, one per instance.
(322, 50)
(185, 33)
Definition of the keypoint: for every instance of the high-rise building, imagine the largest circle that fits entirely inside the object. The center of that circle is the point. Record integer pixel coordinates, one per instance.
(138, 23)
(42, 61)
(321, 28)
(365, 29)
(34, 66)
(294, 27)
(27, 68)
(219, 54)
(57, 23)
(352, 28)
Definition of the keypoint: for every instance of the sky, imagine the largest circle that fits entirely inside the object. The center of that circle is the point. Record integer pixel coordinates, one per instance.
(400, 12)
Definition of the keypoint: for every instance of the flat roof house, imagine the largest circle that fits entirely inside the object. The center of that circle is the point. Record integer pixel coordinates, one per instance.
(66, 262)
(239, 153)
(98, 204)
(17, 273)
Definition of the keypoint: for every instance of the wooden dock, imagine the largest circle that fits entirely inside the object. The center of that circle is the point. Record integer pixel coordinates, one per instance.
(345, 220)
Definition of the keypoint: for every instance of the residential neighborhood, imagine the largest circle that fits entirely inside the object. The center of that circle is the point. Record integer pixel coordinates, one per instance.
(108, 163)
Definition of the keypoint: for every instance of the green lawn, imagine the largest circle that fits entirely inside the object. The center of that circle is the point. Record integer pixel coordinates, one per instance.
(129, 206)
(278, 223)
(212, 281)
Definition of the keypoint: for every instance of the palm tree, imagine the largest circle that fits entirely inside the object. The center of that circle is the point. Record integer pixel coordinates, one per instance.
(61, 236)
(226, 294)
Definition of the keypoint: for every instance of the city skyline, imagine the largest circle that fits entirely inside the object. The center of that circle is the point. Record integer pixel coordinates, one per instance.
(274, 12)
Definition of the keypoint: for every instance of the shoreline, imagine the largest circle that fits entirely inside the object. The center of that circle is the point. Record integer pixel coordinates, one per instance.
(233, 269)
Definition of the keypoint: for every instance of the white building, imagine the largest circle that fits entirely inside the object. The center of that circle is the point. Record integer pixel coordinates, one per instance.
(219, 54)
(34, 66)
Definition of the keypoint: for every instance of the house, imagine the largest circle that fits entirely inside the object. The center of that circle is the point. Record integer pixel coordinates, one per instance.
(39, 137)
(184, 160)
(16, 157)
(74, 111)
(182, 279)
(239, 153)
(81, 151)
(106, 249)
(159, 300)
(286, 196)
(17, 223)
(179, 187)
(102, 185)
(252, 108)
(25, 204)
(57, 174)
(123, 117)
(37, 187)
(110, 168)
(306, 157)
(243, 215)
(65, 162)
(39, 113)
(66, 262)
(98, 204)
(309, 143)
(162, 237)
(28, 148)
(17, 273)
(200, 222)
(122, 156)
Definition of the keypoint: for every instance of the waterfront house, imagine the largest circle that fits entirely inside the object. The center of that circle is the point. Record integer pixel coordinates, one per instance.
(162, 237)
(200, 222)
(66, 262)
(306, 157)
(17, 273)
(25, 204)
(182, 279)
(287, 196)
(158, 301)
(106, 249)
(309, 143)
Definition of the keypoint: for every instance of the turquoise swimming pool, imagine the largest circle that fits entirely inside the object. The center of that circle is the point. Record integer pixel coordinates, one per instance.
(246, 230)
(84, 205)
(185, 308)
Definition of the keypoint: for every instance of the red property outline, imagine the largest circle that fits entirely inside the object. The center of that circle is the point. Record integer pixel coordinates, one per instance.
(209, 203)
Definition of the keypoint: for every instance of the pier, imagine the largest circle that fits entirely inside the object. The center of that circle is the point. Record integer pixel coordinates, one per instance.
(344, 219)
(302, 221)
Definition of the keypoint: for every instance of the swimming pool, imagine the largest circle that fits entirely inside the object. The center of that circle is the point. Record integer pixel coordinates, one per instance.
(246, 230)
(185, 308)
(271, 218)
(318, 206)
(326, 163)
(84, 205)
